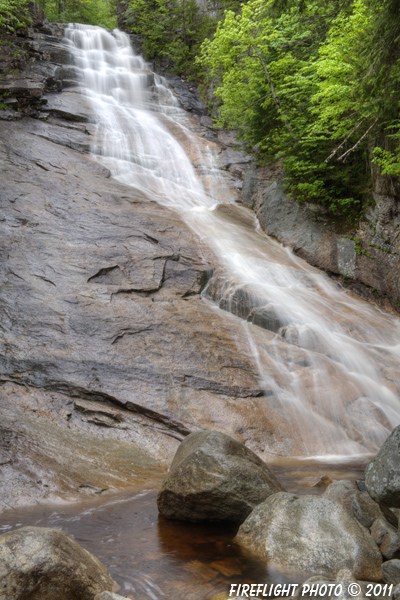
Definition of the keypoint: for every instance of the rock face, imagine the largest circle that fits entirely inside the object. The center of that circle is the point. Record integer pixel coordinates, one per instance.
(382, 475)
(44, 564)
(107, 344)
(308, 229)
(213, 477)
(308, 533)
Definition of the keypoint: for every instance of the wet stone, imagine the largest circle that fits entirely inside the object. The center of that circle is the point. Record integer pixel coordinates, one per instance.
(43, 564)
(214, 478)
(386, 537)
(391, 571)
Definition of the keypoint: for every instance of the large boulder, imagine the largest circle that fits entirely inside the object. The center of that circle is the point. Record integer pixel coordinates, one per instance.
(213, 478)
(382, 475)
(39, 563)
(309, 533)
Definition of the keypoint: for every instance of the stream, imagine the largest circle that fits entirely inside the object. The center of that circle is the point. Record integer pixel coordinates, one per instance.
(152, 558)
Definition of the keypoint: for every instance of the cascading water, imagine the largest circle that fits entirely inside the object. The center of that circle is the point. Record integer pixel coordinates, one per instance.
(328, 361)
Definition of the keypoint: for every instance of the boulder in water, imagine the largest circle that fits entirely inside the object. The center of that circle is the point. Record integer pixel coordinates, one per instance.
(308, 533)
(40, 563)
(382, 475)
(213, 478)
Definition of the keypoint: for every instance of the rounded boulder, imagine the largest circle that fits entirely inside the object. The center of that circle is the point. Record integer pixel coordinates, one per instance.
(215, 478)
(39, 563)
(312, 534)
(382, 475)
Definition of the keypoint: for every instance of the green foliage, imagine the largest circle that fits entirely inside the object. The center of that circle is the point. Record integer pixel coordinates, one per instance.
(14, 15)
(172, 29)
(93, 12)
(359, 250)
(312, 81)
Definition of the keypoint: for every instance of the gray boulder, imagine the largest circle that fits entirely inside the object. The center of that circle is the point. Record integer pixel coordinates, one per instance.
(40, 563)
(309, 533)
(382, 475)
(359, 504)
(365, 510)
(391, 571)
(386, 537)
(214, 478)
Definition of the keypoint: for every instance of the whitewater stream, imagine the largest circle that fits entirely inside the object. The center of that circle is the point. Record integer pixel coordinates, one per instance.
(331, 365)
(327, 361)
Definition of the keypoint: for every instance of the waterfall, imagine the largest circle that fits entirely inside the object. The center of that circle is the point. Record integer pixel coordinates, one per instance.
(328, 361)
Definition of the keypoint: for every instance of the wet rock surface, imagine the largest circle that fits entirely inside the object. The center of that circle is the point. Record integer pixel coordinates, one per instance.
(307, 533)
(100, 303)
(213, 478)
(42, 564)
(309, 231)
(382, 475)
(187, 94)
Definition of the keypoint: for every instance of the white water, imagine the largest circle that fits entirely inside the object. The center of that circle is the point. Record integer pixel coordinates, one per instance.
(331, 371)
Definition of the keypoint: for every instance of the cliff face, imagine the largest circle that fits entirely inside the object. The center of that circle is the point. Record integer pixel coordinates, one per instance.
(367, 254)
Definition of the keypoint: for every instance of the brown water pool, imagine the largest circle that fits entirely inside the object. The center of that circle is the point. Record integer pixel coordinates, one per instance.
(153, 558)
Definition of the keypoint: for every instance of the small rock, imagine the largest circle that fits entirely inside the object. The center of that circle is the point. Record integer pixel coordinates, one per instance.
(40, 563)
(238, 171)
(386, 537)
(227, 138)
(207, 122)
(391, 571)
(213, 478)
(365, 510)
(229, 157)
(346, 579)
(310, 533)
(341, 491)
(396, 592)
(318, 482)
(382, 475)
(10, 115)
(65, 414)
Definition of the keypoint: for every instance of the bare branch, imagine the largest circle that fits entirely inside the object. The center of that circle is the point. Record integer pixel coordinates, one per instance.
(345, 155)
(275, 97)
(256, 102)
(332, 154)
